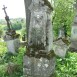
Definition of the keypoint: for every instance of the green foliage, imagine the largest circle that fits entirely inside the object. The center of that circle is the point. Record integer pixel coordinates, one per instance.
(6, 58)
(3, 70)
(3, 48)
(63, 15)
(17, 23)
(67, 67)
(23, 31)
(17, 26)
(19, 58)
(1, 31)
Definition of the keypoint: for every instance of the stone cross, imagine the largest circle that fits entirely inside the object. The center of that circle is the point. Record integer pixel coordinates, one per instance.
(39, 60)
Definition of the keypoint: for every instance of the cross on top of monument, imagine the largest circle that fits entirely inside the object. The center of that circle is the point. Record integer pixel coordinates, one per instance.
(4, 8)
(7, 18)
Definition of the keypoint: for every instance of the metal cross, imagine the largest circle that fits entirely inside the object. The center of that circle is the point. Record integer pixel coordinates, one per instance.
(7, 18)
(4, 8)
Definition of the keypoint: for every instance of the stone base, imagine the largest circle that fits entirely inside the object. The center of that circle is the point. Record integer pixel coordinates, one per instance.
(38, 67)
(13, 45)
(73, 45)
(12, 41)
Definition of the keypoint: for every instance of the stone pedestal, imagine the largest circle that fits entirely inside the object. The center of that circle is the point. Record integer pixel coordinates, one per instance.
(12, 42)
(38, 67)
(13, 45)
(73, 45)
(60, 48)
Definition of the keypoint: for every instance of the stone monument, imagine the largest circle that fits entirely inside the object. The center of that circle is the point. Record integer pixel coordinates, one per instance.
(11, 37)
(73, 45)
(39, 60)
(61, 33)
(61, 43)
(60, 47)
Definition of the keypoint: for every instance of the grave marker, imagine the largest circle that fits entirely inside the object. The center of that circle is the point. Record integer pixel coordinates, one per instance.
(11, 37)
(39, 60)
(73, 45)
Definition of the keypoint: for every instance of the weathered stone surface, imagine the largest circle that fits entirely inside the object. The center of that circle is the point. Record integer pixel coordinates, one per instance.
(12, 41)
(13, 45)
(74, 31)
(73, 44)
(40, 30)
(37, 60)
(60, 48)
(10, 35)
(61, 33)
(38, 67)
(28, 15)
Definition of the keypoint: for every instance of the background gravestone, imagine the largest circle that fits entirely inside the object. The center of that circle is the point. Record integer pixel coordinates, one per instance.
(73, 45)
(11, 37)
(39, 60)
(61, 33)
(60, 48)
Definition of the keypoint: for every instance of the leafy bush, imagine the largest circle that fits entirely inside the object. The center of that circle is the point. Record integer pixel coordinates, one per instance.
(3, 48)
(3, 70)
(67, 67)
(63, 15)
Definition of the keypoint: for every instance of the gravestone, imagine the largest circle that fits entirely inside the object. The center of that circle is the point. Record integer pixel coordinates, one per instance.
(60, 48)
(61, 43)
(73, 45)
(61, 33)
(39, 60)
(11, 37)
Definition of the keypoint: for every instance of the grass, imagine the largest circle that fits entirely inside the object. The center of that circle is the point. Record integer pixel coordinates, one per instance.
(6, 58)
(67, 67)
(3, 48)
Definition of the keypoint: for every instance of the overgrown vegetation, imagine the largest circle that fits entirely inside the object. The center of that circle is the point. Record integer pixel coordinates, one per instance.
(67, 67)
(11, 65)
(63, 15)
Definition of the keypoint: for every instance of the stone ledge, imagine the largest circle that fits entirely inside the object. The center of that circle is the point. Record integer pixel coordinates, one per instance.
(39, 54)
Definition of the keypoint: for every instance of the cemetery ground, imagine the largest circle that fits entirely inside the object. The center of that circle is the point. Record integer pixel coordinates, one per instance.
(45, 39)
(12, 65)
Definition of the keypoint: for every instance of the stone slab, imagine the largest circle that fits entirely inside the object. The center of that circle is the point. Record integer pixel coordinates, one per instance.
(60, 48)
(13, 45)
(38, 67)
